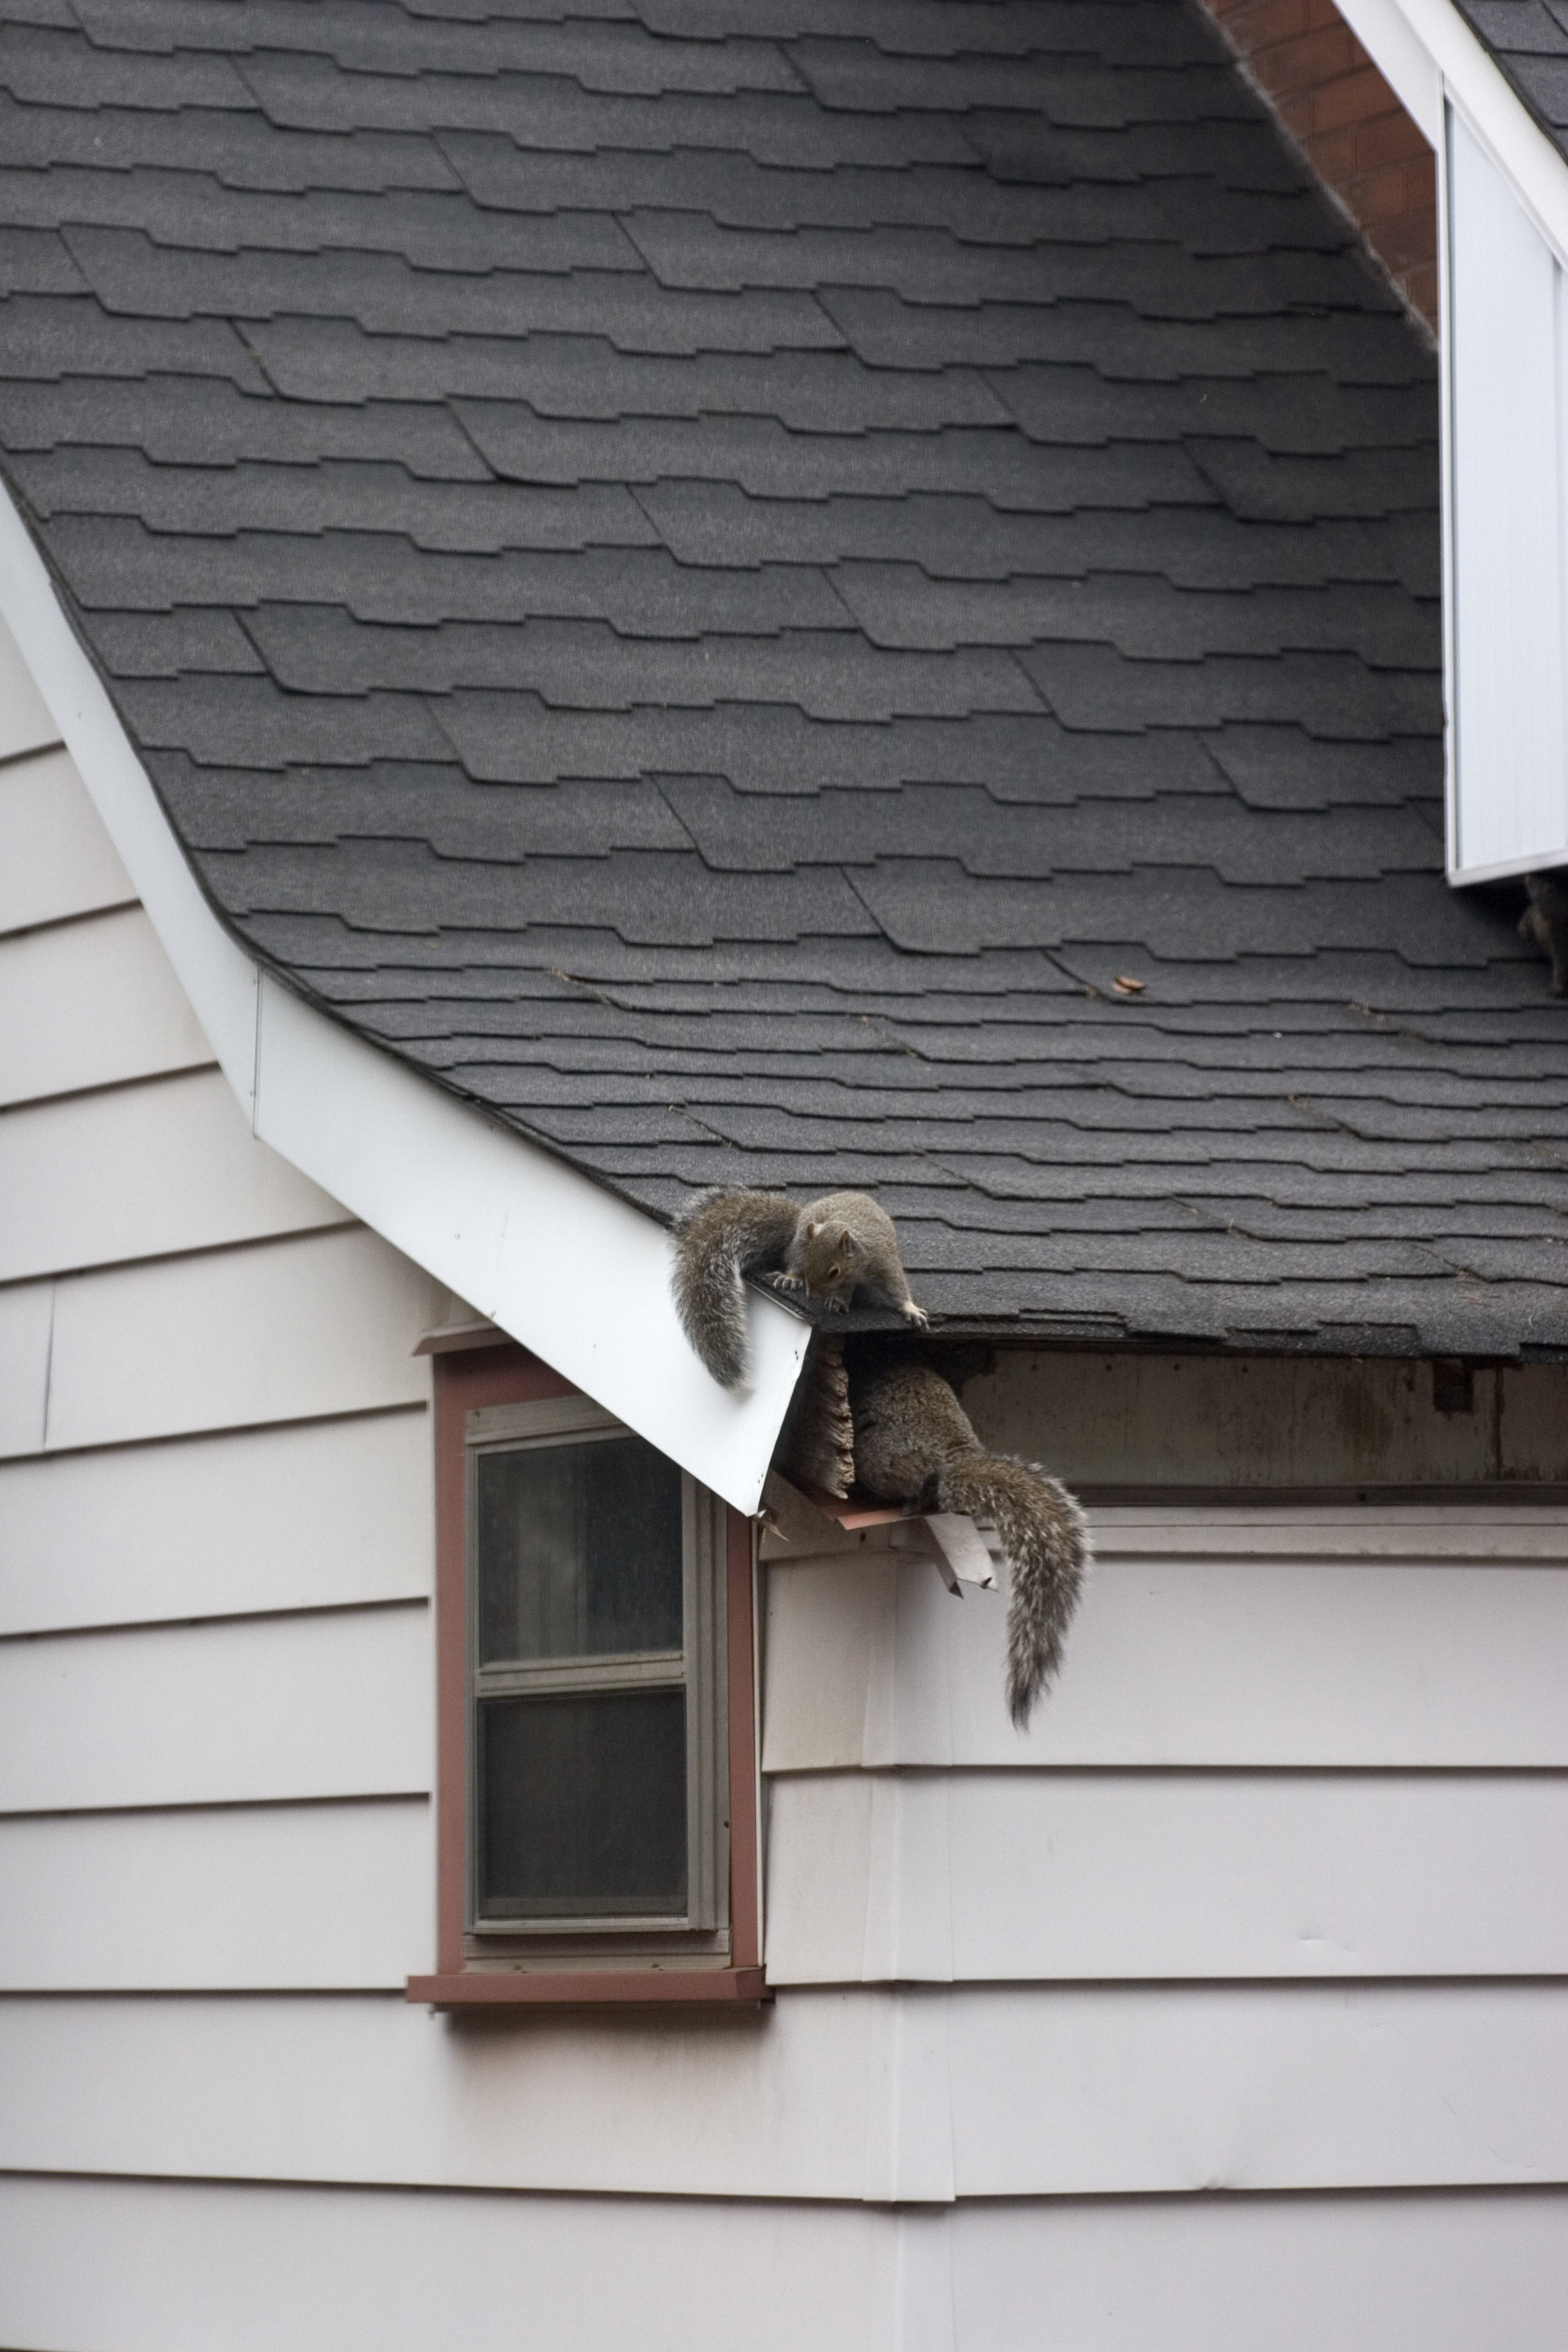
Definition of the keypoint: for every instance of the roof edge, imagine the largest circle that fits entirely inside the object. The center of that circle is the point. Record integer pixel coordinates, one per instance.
(568, 1268)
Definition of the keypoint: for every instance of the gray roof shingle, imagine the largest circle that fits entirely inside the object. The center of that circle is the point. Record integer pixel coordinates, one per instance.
(714, 577)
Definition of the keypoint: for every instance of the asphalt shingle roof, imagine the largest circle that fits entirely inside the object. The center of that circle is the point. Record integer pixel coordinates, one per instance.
(714, 576)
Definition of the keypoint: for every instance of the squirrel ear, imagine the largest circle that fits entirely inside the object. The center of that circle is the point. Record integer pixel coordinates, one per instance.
(845, 1239)
(812, 1231)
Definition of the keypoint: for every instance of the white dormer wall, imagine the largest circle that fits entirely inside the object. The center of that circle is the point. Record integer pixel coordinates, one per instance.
(1506, 386)
(1502, 253)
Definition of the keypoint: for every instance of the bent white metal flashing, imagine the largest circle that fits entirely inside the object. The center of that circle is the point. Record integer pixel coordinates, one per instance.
(574, 1272)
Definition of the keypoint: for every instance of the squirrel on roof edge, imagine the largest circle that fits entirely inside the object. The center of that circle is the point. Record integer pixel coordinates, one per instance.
(913, 1441)
(832, 1249)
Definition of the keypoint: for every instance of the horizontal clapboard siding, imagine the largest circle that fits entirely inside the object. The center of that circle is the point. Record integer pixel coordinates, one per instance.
(283, 1331)
(197, 2264)
(963, 2092)
(92, 1004)
(318, 1515)
(1029, 1876)
(328, 1704)
(142, 1172)
(285, 1896)
(195, 2267)
(27, 1322)
(56, 859)
(1201, 1643)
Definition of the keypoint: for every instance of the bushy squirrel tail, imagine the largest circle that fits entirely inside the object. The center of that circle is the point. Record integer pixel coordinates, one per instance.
(1046, 1538)
(722, 1236)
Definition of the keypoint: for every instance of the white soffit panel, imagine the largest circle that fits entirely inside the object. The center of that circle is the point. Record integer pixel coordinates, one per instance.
(567, 1268)
(1506, 388)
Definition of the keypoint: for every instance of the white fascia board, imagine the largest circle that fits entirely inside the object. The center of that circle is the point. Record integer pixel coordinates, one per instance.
(564, 1266)
(1424, 48)
(573, 1272)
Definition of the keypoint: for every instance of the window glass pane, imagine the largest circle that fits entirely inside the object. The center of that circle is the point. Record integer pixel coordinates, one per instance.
(582, 1804)
(579, 1551)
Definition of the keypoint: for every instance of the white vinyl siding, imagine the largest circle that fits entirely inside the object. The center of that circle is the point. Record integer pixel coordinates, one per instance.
(931, 2094)
(92, 1002)
(316, 1897)
(281, 1330)
(59, 861)
(329, 1703)
(26, 722)
(1024, 1876)
(1200, 1644)
(363, 2270)
(313, 1515)
(137, 1171)
(1507, 392)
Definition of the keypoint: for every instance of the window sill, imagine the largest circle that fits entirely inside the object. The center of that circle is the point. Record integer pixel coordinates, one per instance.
(588, 1988)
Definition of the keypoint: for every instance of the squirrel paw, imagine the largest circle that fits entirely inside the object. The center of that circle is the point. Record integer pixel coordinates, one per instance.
(835, 1303)
(913, 1314)
(784, 1281)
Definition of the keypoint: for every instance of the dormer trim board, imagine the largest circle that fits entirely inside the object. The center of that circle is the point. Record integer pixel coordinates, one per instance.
(1426, 52)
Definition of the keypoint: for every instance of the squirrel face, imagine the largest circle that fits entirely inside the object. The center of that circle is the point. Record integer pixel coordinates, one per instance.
(832, 1262)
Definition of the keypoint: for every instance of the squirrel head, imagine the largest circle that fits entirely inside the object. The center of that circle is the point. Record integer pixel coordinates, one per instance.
(832, 1261)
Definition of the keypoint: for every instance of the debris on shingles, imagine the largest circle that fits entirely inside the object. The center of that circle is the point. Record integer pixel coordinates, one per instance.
(816, 1444)
(1125, 985)
(840, 528)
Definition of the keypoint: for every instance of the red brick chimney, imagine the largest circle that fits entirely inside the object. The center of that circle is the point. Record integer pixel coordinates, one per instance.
(1358, 140)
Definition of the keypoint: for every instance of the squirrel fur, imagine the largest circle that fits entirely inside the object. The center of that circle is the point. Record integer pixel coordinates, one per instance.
(1544, 923)
(913, 1443)
(831, 1249)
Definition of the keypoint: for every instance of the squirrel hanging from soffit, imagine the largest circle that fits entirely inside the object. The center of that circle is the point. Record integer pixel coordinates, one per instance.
(913, 1441)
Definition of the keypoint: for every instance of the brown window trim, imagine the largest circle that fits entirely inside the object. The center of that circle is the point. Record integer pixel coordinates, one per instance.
(464, 1381)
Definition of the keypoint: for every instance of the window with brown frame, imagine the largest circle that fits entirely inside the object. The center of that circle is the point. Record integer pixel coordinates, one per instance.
(596, 1784)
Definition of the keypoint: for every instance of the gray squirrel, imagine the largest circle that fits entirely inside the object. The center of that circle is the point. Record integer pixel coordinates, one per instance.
(831, 1249)
(913, 1443)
